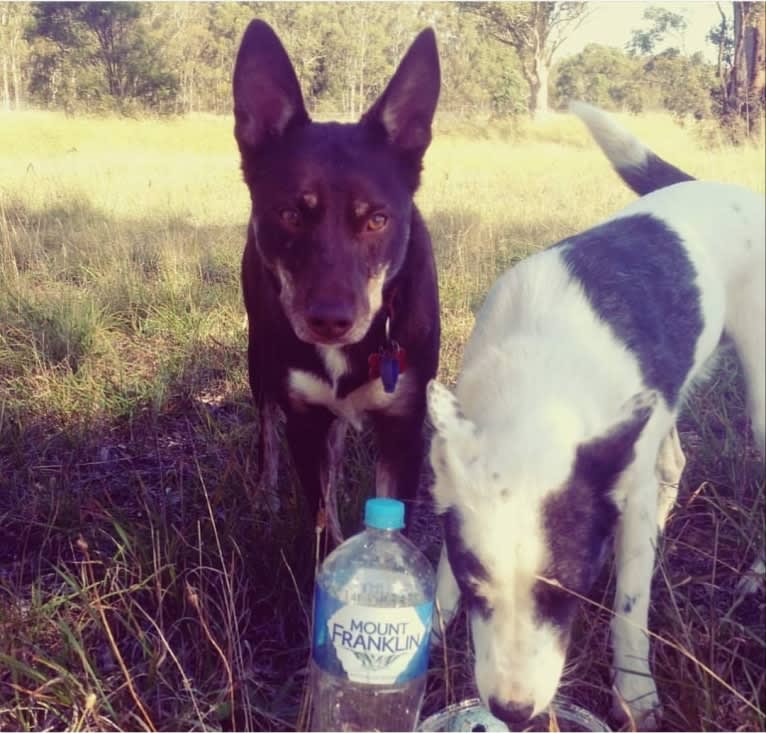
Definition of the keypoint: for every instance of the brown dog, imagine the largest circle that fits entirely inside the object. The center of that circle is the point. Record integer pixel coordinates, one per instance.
(338, 272)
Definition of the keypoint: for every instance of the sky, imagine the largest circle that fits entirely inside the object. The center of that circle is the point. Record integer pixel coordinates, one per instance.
(611, 24)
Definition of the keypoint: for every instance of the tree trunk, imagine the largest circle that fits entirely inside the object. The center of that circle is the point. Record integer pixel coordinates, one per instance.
(541, 102)
(746, 83)
(537, 79)
(736, 92)
(4, 21)
(53, 86)
(362, 65)
(16, 79)
(755, 53)
(722, 29)
(6, 88)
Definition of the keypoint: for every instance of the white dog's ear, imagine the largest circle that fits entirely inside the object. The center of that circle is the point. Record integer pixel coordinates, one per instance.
(455, 445)
(602, 460)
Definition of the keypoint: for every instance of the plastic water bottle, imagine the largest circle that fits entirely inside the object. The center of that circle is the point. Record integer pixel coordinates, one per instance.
(372, 621)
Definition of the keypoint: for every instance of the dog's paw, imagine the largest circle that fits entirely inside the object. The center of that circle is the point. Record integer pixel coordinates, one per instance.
(635, 701)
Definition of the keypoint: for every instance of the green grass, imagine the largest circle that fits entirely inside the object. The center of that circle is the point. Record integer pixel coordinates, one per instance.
(146, 581)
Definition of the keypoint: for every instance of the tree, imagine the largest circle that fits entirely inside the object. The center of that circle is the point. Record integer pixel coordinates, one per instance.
(683, 83)
(355, 66)
(680, 83)
(110, 38)
(755, 51)
(663, 23)
(112, 24)
(745, 93)
(740, 67)
(604, 76)
(477, 77)
(535, 30)
(63, 57)
(14, 18)
(722, 37)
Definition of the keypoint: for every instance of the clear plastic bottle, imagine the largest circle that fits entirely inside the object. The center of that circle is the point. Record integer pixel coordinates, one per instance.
(372, 622)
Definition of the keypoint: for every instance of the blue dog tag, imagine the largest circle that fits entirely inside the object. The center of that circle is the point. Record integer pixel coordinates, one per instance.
(389, 371)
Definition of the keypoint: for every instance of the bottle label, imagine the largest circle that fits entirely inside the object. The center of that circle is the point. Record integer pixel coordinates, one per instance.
(371, 644)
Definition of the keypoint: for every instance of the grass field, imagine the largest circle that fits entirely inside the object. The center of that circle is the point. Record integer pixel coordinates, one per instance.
(145, 581)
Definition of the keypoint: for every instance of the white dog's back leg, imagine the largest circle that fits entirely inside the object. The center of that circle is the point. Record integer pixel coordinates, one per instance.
(742, 262)
(671, 462)
(745, 325)
(447, 596)
(635, 545)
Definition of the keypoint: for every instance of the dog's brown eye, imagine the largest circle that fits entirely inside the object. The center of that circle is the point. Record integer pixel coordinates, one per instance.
(290, 217)
(376, 222)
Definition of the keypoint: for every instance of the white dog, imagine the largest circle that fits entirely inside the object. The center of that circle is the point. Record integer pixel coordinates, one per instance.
(561, 434)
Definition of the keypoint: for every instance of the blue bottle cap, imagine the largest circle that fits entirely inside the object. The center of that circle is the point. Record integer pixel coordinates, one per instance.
(384, 513)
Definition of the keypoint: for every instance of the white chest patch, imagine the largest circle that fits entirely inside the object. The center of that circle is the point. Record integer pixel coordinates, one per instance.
(334, 361)
(308, 389)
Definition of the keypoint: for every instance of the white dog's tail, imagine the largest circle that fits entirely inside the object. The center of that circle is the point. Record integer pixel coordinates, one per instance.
(638, 166)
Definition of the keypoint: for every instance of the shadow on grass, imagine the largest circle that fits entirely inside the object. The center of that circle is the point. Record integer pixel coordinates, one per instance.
(142, 561)
(160, 518)
(168, 505)
(146, 579)
(140, 558)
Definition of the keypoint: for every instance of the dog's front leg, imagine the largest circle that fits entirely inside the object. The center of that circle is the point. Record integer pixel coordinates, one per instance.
(329, 477)
(635, 550)
(447, 597)
(307, 434)
(400, 457)
(268, 451)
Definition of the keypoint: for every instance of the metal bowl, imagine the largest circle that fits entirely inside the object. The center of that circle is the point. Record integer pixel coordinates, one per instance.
(471, 715)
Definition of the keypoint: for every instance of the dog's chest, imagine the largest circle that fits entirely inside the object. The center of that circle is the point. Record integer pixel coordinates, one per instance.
(309, 388)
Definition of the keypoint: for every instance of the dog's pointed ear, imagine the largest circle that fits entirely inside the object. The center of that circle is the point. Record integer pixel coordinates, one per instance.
(455, 446)
(406, 108)
(602, 460)
(267, 96)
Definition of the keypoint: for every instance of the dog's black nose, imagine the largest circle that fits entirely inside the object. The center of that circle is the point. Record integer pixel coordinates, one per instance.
(512, 714)
(329, 321)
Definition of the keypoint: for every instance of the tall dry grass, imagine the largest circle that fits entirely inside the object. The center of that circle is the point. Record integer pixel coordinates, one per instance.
(145, 581)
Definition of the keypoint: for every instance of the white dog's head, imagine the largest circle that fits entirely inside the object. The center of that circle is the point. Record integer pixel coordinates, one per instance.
(528, 513)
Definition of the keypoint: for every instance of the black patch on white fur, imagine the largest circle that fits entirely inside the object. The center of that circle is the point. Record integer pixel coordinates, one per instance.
(639, 279)
(579, 519)
(652, 174)
(466, 567)
(628, 604)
